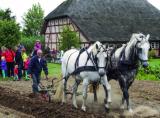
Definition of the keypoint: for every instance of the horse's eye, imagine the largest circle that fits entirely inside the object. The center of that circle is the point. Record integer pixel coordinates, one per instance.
(141, 37)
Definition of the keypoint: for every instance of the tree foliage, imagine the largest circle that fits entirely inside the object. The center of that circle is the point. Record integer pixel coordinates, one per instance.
(33, 20)
(6, 15)
(68, 39)
(9, 33)
(9, 29)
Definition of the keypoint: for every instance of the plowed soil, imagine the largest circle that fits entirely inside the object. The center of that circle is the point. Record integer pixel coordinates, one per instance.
(16, 96)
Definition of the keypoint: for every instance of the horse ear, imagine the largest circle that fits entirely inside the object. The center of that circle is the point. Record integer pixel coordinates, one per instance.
(106, 45)
(147, 37)
(97, 46)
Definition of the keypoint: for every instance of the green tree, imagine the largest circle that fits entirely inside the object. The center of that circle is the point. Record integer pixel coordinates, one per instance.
(9, 33)
(6, 15)
(68, 39)
(9, 29)
(33, 20)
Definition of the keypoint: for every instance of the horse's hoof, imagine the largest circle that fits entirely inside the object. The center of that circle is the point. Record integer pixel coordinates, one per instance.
(109, 101)
(75, 106)
(130, 110)
(83, 108)
(107, 110)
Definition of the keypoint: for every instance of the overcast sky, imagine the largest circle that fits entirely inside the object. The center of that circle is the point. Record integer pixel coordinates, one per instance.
(19, 7)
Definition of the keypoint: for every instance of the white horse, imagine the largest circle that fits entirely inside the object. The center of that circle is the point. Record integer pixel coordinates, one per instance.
(90, 68)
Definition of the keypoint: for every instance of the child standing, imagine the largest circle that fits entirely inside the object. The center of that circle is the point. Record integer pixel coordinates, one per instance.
(3, 67)
(16, 72)
(26, 64)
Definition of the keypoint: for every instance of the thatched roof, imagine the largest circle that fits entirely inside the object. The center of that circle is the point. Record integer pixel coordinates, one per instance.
(110, 20)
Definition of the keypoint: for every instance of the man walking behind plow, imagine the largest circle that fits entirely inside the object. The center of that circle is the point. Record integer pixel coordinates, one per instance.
(36, 65)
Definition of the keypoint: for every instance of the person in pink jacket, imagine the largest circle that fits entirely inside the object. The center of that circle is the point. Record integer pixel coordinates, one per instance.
(26, 64)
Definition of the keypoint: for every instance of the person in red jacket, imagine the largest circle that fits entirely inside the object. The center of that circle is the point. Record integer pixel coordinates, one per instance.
(9, 56)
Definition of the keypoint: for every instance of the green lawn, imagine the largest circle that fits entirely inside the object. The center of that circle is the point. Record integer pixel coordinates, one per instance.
(54, 70)
(154, 62)
(153, 71)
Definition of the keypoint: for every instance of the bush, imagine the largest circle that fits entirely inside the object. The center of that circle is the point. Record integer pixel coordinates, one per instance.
(152, 54)
(29, 42)
(149, 73)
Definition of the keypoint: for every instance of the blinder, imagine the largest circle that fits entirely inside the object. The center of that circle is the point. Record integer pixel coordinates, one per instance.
(95, 59)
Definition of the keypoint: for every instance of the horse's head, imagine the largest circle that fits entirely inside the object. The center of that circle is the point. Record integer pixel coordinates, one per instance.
(142, 48)
(99, 53)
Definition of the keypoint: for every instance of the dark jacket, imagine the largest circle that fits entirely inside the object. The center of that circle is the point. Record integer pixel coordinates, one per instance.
(18, 57)
(35, 67)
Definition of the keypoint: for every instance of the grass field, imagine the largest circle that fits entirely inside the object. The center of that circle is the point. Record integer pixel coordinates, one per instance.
(152, 75)
(154, 62)
(54, 70)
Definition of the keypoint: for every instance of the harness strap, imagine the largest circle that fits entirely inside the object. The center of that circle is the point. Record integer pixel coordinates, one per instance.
(83, 68)
(77, 60)
(90, 56)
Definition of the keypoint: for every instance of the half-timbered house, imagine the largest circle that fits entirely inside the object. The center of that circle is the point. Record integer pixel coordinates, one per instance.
(108, 21)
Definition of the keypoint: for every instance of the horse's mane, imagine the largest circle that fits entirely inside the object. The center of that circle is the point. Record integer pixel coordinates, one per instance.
(132, 39)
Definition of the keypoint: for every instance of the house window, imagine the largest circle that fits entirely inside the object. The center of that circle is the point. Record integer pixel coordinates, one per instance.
(155, 45)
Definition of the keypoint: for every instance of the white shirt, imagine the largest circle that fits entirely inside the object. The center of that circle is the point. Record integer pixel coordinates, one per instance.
(39, 59)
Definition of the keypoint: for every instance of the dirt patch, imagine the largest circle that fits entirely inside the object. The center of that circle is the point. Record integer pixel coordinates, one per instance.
(15, 95)
(40, 109)
(6, 112)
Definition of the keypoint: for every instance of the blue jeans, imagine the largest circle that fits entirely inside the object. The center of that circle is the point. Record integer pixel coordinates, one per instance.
(36, 81)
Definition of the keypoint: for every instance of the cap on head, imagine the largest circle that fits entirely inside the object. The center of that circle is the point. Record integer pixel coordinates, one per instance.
(37, 40)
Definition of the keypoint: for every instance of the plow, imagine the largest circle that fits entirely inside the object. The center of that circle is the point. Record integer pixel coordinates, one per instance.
(53, 88)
